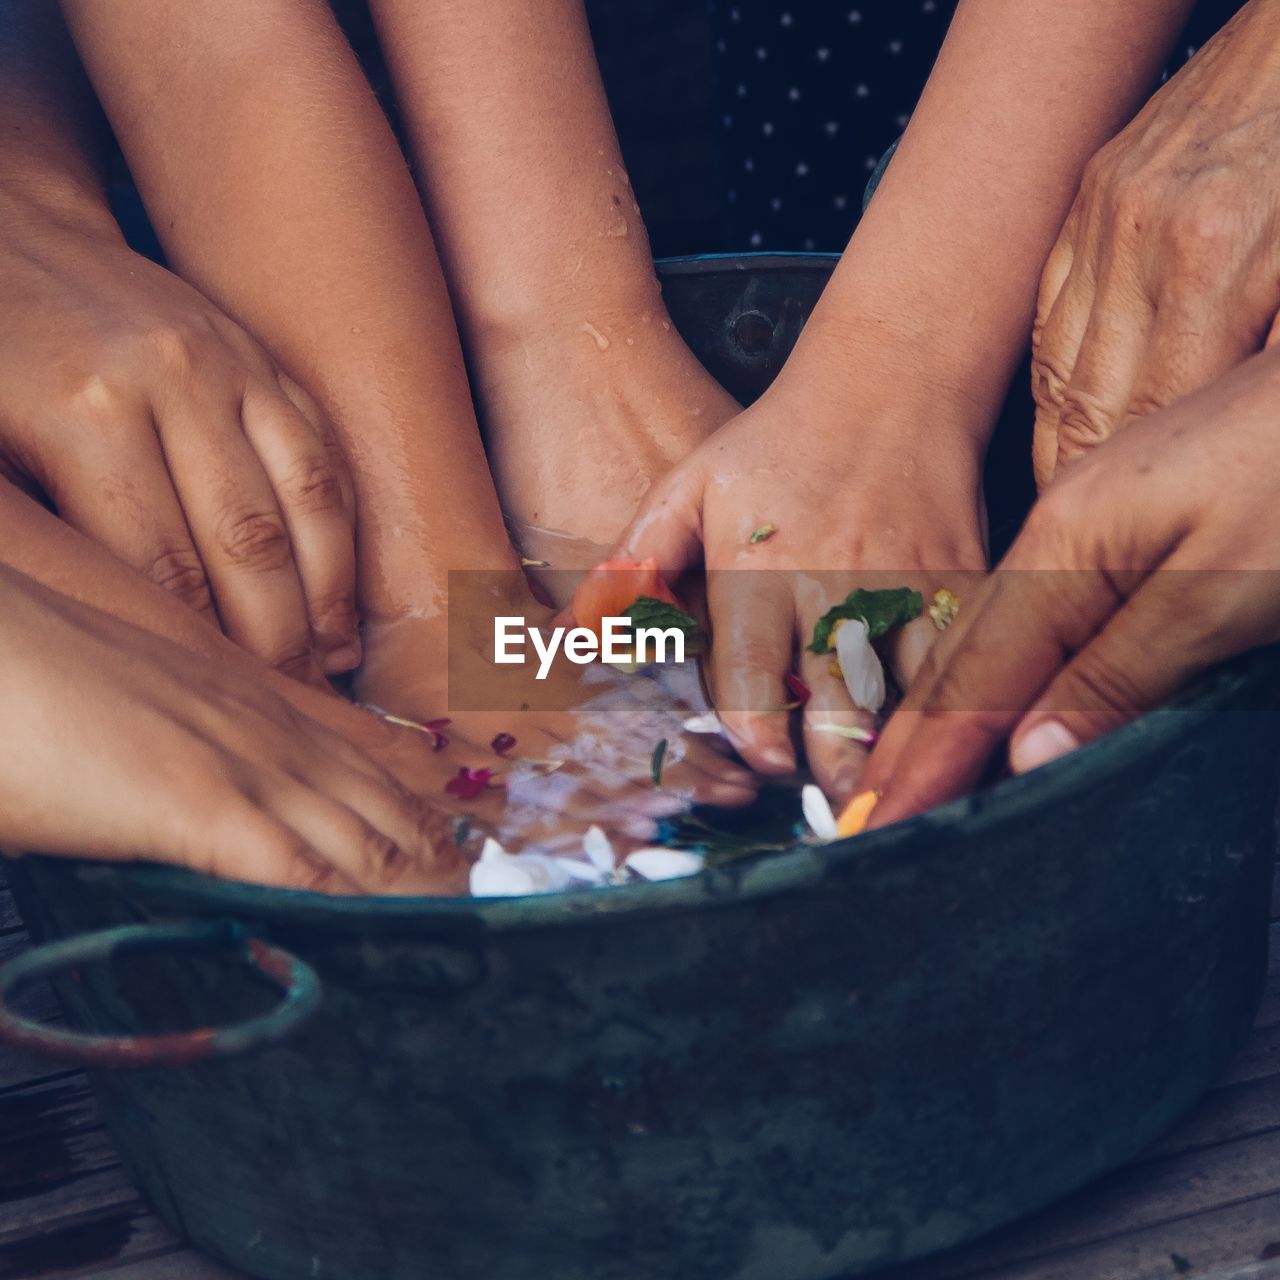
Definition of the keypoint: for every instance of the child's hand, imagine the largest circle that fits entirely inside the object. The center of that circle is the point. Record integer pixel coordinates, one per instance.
(121, 745)
(845, 512)
(160, 428)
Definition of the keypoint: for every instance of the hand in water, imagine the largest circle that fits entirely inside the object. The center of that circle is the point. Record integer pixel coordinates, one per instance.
(120, 745)
(584, 738)
(829, 512)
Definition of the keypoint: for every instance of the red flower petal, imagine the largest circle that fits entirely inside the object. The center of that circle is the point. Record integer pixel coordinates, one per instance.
(502, 743)
(467, 784)
(797, 688)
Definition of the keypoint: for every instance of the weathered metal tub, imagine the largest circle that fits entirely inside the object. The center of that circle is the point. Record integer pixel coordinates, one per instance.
(795, 1068)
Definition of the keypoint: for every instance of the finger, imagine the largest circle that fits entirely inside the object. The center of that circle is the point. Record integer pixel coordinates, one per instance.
(422, 830)
(836, 760)
(1147, 651)
(246, 843)
(1110, 361)
(124, 500)
(753, 623)
(710, 778)
(321, 526)
(1029, 625)
(239, 531)
(1052, 280)
(668, 526)
(898, 731)
(365, 853)
(1193, 342)
(1054, 358)
(306, 405)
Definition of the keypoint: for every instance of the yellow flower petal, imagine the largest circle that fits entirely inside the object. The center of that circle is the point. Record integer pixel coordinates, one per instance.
(856, 814)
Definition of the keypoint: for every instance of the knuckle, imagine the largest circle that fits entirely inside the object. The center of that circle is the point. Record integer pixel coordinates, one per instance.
(312, 487)
(295, 660)
(1128, 203)
(313, 875)
(177, 346)
(1083, 422)
(1098, 683)
(255, 540)
(383, 860)
(334, 611)
(101, 401)
(1144, 403)
(1048, 378)
(1098, 172)
(181, 574)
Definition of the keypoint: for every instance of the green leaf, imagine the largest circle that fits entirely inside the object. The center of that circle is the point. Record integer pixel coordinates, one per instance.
(880, 610)
(648, 612)
(655, 763)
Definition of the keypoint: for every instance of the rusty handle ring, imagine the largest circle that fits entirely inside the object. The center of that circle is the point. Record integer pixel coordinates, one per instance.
(297, 981)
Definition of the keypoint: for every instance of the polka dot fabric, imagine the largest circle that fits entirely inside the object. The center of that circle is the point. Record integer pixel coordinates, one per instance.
(809, 96)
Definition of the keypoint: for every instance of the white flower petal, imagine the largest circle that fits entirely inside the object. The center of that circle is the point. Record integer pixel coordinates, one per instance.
(500, 874)
(581, 872)
(860, 665)
(817, 812)
(492, 850)
(852, 732)
(597, 846)
(502, 879)
(710, 723)
(664, 864)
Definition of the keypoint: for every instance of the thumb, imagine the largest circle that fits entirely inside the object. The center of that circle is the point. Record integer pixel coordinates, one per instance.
(1149, 648)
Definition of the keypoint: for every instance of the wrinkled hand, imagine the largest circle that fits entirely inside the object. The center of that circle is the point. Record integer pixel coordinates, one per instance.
(1145, 563)
(120, 745)
(845, 516)
(1167, 272)
(161, 429)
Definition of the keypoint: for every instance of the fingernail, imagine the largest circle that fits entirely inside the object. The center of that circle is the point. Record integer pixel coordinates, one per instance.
(778, 758)
(344, 658)
(1045, 742)
(845, 784)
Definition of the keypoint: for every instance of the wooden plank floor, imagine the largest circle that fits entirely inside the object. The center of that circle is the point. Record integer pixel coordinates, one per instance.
(1204, 1202)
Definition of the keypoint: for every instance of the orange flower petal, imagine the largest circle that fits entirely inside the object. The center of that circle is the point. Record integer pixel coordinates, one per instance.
(856, 814)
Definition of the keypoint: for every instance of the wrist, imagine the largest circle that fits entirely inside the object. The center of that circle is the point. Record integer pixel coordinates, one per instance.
(32, 204)
(884, 396)
(560, 297)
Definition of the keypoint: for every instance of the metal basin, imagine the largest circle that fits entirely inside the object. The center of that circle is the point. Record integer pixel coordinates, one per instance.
(796, 1068)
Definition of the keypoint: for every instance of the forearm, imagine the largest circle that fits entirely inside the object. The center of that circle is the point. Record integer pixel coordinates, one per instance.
(277, 187)
(938, 284)
(52, 143)
(524, 178)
